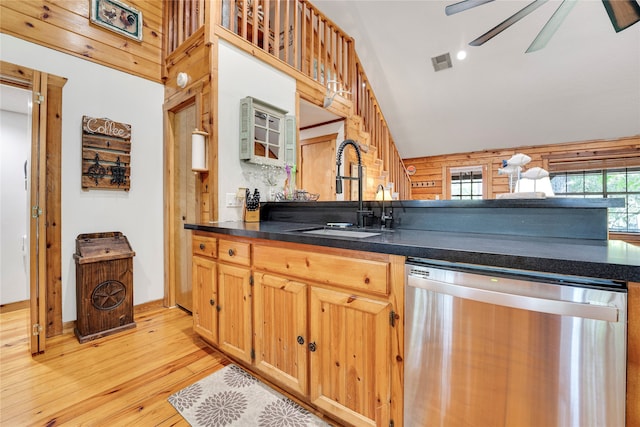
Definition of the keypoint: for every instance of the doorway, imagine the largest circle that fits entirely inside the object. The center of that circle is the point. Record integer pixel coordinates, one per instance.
(318, 165)
(182, 116)
(184, 123)
(44, 204)
(15, 164)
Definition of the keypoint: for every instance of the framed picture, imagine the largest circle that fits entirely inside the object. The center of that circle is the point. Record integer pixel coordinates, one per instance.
(117, 17)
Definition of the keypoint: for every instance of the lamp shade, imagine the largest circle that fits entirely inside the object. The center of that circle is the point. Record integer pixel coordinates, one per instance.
(526, 185)
(383, 194)
(199, 151)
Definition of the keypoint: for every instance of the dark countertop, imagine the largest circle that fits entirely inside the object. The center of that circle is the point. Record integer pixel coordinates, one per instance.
(611, 259)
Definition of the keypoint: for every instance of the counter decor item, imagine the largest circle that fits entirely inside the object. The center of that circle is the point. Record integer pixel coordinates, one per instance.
(297, 196)
(252, 206)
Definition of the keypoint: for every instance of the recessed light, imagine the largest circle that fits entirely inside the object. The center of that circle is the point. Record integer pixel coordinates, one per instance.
(462, 54)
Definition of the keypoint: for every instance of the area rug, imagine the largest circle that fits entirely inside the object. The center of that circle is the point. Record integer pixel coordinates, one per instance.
(233, 397)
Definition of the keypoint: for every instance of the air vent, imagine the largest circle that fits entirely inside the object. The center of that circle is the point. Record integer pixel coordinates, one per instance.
(441, 62)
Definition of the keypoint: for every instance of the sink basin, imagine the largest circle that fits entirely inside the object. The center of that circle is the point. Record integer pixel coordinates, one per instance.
(339, 232)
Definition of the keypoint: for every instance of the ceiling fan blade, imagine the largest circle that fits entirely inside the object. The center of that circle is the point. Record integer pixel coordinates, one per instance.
(463, 5)
(622, 13)
(507, 22)
(552, 25)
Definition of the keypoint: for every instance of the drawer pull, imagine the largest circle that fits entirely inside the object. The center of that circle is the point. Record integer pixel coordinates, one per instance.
(300, 340)
(232, 252)
(211, 302)
(202, 246)
(312, 346)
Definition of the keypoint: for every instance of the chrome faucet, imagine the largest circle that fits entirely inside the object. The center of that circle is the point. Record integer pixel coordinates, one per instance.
(361, 213)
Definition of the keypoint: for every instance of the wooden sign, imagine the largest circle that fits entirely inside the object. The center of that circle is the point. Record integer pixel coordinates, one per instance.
(106, 154)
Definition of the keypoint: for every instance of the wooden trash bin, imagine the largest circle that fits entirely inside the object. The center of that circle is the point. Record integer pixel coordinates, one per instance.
(104, 285)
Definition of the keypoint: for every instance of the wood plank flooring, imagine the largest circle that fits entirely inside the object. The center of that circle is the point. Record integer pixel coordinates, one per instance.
(120, 380)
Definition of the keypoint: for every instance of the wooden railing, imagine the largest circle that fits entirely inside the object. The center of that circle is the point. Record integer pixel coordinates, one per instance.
(366, 106)
(297, 33)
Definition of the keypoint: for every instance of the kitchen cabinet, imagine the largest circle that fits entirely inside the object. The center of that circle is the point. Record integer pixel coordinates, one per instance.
(204, 273)
(280, 328)
(322, 323)
(350, 361)
(222, 294)
(352, 327)
(234, 311)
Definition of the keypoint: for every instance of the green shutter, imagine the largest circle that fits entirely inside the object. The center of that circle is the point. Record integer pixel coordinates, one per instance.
(246, 127)
(290, 140)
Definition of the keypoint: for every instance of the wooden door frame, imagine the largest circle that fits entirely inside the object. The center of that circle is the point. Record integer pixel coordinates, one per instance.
(180, 101)
(48, 308)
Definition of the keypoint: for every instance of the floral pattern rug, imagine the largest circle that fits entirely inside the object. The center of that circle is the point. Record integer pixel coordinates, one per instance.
(233, 397)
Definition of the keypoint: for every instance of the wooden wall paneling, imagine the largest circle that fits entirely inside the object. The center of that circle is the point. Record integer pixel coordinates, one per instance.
(429, 168)
(210, 111)
(65, 26)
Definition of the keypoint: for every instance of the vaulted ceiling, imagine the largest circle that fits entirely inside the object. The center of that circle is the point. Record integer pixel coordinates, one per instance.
(584, 85)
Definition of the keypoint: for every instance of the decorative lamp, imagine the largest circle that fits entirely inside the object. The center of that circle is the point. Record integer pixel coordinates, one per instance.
(199, 151)
(383, 193)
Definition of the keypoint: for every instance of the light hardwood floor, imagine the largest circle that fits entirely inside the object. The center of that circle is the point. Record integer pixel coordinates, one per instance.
(120, 380)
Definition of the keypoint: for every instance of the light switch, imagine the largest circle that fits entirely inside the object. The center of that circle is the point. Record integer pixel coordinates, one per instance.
(232, 201)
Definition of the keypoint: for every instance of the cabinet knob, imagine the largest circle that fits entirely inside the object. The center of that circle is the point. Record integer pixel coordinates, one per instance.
(300, 340)
(211, 302)
(202, 246)
(312, 346)
(232, 252)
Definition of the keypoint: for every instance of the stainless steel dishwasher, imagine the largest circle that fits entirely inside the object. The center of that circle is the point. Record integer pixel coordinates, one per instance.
(502, 347)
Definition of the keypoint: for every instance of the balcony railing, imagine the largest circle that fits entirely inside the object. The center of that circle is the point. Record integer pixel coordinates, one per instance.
(298, 34)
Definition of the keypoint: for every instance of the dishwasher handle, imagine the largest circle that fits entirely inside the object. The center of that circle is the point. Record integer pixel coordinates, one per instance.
(542, 305)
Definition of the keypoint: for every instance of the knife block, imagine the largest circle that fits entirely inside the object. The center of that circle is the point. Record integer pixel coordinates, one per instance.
(251, 216)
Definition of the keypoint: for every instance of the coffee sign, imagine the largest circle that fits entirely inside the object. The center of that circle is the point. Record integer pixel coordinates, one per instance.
(106, 154)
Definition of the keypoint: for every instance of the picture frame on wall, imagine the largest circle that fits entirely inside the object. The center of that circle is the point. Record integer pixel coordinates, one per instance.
(118, 17)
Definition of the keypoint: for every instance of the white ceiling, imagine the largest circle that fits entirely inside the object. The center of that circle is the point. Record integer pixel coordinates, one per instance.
(584, 85)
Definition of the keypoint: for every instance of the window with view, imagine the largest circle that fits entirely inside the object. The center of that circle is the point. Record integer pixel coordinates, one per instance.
(466, 183)
(608, 183)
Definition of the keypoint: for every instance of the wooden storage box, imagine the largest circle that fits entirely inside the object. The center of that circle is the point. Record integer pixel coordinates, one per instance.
(104, 285)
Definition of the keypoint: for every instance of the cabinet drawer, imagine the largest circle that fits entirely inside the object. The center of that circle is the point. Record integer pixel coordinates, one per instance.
(204, 246)
(235, 252)
(357, 273)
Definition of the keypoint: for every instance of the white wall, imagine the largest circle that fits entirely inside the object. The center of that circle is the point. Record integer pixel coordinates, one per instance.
(98, 91)
(241, 75)
(15, 145)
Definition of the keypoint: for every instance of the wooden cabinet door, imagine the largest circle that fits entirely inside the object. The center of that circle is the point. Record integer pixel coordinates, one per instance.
(280, 328)
(350, 359)
(205, 298)
(234, 311)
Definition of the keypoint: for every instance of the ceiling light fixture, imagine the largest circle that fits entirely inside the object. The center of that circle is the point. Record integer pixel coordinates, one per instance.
(461, 55)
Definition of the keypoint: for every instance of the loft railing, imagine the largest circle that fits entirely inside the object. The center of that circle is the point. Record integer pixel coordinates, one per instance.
(297, 33)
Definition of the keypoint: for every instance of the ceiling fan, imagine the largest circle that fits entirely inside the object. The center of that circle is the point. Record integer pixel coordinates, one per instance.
(622, 13)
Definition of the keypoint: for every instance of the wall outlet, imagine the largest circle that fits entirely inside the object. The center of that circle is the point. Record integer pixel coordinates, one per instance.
(232, 201)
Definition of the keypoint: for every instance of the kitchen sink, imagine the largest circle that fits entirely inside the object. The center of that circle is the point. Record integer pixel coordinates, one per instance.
(339, 232)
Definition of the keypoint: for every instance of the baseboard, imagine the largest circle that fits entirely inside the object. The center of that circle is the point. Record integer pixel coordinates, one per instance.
(13, 306)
